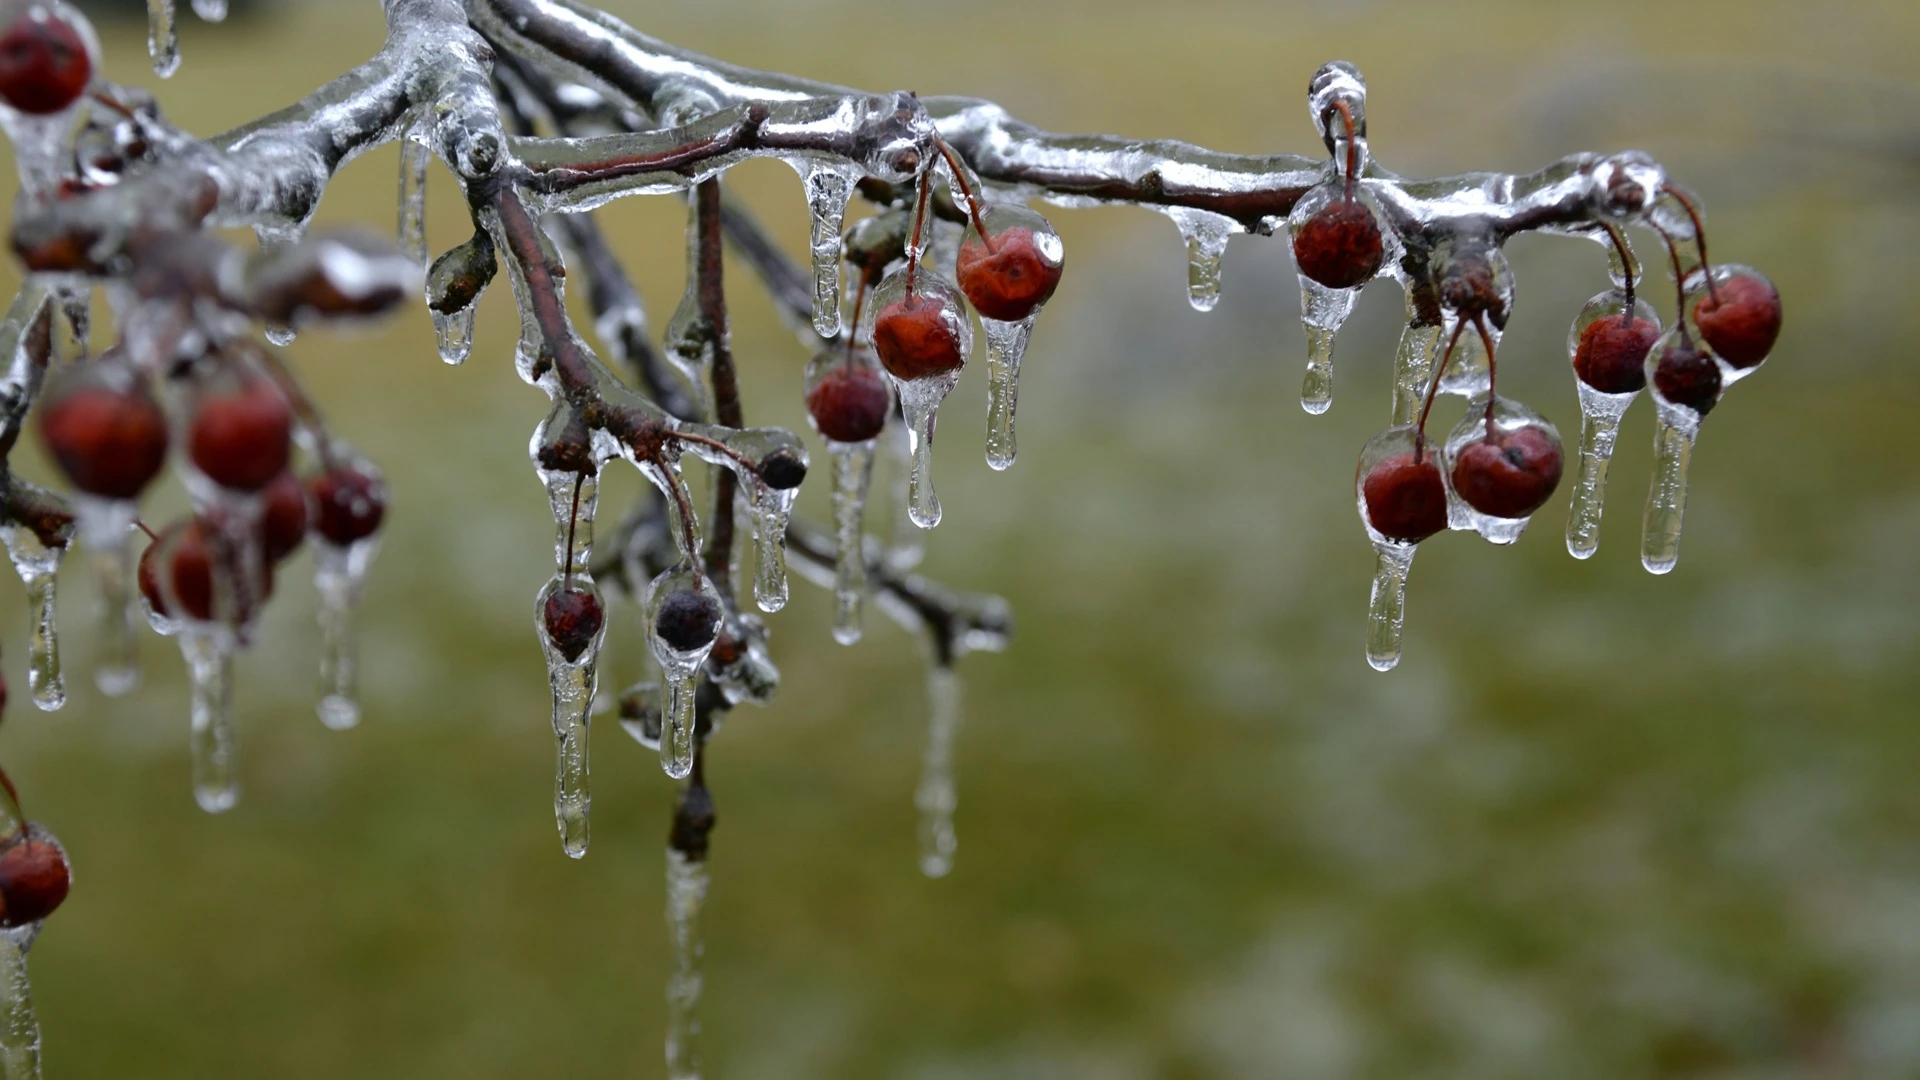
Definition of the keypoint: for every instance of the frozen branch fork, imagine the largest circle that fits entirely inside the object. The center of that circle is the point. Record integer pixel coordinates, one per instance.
(544, 110)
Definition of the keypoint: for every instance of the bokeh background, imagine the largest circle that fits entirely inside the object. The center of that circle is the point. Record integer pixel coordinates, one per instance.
(1597, 824)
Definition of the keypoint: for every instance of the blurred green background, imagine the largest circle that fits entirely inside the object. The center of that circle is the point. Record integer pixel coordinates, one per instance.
(1597, 824)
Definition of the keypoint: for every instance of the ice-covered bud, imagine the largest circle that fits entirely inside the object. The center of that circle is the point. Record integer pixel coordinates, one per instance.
(241, 434)
(893, 136)
(33, 877)
(285, 512)
(1627, 183)
(102, 426)
(339, 275)
(1337, 81)
(47, 53)
(349, 503)
(459, 277)
(875, 243)
(1738, 314)
(1473, 276)
(784, 469)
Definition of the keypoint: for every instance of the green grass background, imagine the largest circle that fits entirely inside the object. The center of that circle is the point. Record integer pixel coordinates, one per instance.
(1597, 824)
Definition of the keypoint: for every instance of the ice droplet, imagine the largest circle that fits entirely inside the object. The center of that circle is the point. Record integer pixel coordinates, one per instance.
(1675, 428)
(679, 668)
(1206, 237)
(38, 566)
(1413, 370)
(1387, 603)
(687, 881)
(574, 683)
(454, 333)
(852, 472)
(106, 527)
(414, 159)
(337, 576)
(214, 744)
(935, 797)
(163, 38)
(1006, 345)
(211, 10)
(1599, 429)
(771, 508)
(829, 185)
(1322, 312)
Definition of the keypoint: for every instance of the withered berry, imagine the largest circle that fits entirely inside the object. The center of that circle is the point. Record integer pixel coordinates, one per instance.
(242, 436)
(1339, 246)
(187, 550)
(850, 404)
(45, 60)
(1740, 318)
(1405, 497)
(917, 337)
(1612, 353)
(1510, 473)
(109, 440)
(33, 881)
(573, 619)
(348, 504)
(687, 620)
(1011, 274)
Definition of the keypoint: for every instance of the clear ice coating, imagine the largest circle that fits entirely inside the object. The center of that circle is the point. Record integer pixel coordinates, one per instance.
(679, 667)
(106, 528)
(935, 797)
(1505, 415)
(1206, 236)
(19, 1026)
(771, 509)
(39, 566)
(338, 573)
(454, 334)
(1675, 428)
(1006, 345)
(829, 183)
(687, 881)
(574, 683)
(214, 743)
(1387, 600)
(163, 38)
(920, 397)
(908, 545)
(1413, 364)
(211, 10)
(1600, 415)
(414, 159)
(852, 472)
(1322, 310)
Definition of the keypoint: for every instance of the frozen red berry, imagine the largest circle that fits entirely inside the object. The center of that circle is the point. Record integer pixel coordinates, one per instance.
(46, 59)
(687, 621)
(108, 436)
(1405, 497)
(850, 403)
(1509, 473)
(1685, 374)
(919, 336)
(179, 564)
(1339, 246)
(573, 619)
(283, 516)
(242, 434)
(349, 504)
(33, 881)
(1011, 272)
(1612, 354)
(1740, 318)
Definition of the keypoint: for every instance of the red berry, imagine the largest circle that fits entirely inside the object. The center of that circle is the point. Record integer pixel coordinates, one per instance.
(33, 881)
(1612, 354)
(917, 337)
(349, 504)
(1011, 276)
(1686, 375)
(110, 440)
(573, 619)
(687, 621)
(242, 436)
(189, 569)
(850, 404)
(1339, 245)
(283, 516)
(1405, 497)
(45, 60)
(1740, 318)
(1509, 474)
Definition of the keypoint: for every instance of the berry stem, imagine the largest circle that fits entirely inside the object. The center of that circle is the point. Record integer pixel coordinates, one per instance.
(1353, 148)
(151, 535)
(1433, 390)
(960, 177)
(1486, 338)
(573, 519)
(1699, 235)
(1626, 261)
(1679, 285)
(859, 302)
(924, 190)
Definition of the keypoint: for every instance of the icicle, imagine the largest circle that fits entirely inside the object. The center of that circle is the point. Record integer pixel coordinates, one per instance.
(909, 543)
(692, 606)
(1413, 369)
(1387, 603)
(1675, 429)
(19, 1027)
(935, 796)
(106, 527)
(454, 333)
(38, 566)
(211, 10)
(920, 401)
(1322, 311)
(687, 882)
(1206, 236)
(852, 472)
(1006, 345)
(771, 510)
(829, 185)
(273, 238)
(414, 159)
(214, 743)
(163, 38)
(1599, 428)
(574, 682)
(338, 572)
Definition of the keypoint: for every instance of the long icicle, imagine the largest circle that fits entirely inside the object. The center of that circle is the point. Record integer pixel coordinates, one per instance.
(936, 796)
(687, 881)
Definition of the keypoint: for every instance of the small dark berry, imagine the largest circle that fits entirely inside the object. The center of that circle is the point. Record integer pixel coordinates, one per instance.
(1406, 498)
(242, 437)
(693, 822)
(1008, 280)
(1339, 246)
(915, 339)
(1509, 474)
(783, 470)
(1468, 286)
(1612, 354)
(1740, 318)
(850, 404)
(687, 621)
(284, 516)
(109, 441)
(348, 504)
(45, 64)
(573, 618)
(1685, 375)
(33, 881)
(191, 565)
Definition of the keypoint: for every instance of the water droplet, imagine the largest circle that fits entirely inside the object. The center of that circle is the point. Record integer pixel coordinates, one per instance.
(454, 333)
(211, 10)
